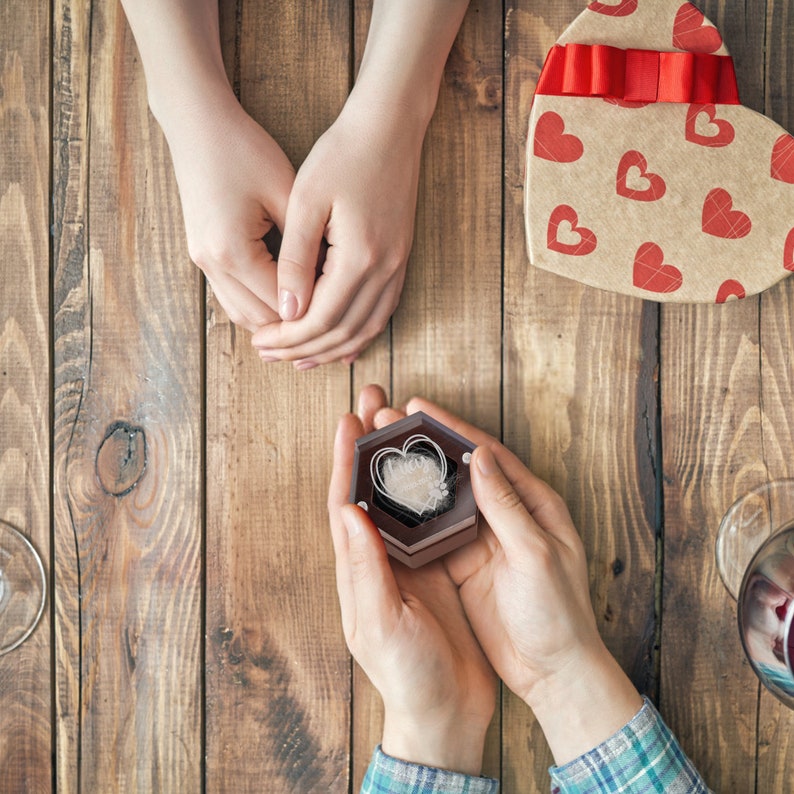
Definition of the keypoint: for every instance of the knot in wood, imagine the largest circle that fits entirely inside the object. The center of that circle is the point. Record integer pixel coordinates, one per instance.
(121, 458)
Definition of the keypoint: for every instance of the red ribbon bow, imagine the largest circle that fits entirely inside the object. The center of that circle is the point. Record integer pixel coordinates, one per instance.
(599, 70)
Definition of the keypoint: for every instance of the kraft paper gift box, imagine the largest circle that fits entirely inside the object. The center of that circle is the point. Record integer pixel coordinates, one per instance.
(644, 173)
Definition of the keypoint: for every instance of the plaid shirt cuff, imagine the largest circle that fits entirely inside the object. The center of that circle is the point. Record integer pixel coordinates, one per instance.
(387, 775)
(643, 756)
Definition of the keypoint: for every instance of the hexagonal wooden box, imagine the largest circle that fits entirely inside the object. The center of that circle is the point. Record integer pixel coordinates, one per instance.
(412, 477)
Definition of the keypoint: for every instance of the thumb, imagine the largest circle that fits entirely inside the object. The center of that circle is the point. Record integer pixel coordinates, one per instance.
(364, 574)
(500, 503)
(297, 262)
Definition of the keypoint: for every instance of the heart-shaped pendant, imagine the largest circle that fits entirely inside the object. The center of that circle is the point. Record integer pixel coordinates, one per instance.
(414, 477)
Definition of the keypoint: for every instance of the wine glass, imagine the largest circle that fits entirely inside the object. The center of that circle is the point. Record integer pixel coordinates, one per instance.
(22, 588)
(755, 558)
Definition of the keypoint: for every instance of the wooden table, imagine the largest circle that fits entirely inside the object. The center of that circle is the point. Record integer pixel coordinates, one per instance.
(175, 486)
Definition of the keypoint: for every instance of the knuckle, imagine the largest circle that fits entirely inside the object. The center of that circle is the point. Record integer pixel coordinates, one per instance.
(360, 569)
(198, 254)
(371, 259)
(260, 318)
(505, 496)
(208, 256)
(326, 324)
(289, 264)
(544, 557)
(558, 503)
(365, 337)
(396, 262)
(235, 316)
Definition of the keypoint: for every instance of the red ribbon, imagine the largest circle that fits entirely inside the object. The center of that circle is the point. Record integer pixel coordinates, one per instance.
(599, 70)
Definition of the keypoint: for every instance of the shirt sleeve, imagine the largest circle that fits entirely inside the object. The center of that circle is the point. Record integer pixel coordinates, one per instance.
(387, 775)
(642, 756)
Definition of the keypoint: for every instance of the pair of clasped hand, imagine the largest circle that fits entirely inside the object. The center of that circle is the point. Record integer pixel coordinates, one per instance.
(346, 216)
(514, 603)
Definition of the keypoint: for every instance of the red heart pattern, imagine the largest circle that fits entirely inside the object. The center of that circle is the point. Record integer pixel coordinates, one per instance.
(553, 143)
(723, 130)
(720, 219)
(730, 289)
(690, 32)
(655, 184)
(788, 252)
(652, 274)
(586, 242)
(783, 159)
(622, 9)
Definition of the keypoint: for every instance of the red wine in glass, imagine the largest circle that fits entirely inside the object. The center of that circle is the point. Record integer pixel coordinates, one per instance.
(766, 613)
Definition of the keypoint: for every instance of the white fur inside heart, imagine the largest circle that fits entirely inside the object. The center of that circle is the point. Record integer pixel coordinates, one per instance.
(414, 477)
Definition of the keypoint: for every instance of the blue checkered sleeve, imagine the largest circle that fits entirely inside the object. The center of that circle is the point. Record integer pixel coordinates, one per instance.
(387, 775)
(643, 757)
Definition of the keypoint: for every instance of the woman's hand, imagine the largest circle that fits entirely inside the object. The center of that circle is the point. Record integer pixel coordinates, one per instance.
(357, 191)
(358, 188)
(234, 181)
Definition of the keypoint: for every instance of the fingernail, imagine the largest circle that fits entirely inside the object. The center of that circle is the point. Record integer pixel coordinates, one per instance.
(287, 305)
(267, 359)
(302, 366)
(486, 462)
(352, 523)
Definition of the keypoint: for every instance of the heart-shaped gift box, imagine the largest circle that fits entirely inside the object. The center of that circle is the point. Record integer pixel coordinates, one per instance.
(644, 174)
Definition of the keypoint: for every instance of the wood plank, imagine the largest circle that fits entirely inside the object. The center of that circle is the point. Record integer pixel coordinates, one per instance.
(775, 758)
(72, 338)
(374, 364)
(725, 395)
(580, 408)
(446, 333)
(25, 691)
(128, 521)
(711, 427)
(278, 674)
(777, 90)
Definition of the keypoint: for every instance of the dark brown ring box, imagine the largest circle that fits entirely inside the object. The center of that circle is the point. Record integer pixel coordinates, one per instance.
(407, 538)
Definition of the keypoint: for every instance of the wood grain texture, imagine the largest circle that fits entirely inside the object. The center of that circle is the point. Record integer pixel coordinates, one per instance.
(25, 692)
(72, 352)
(446, 332)
(278, 673)
(725, 431)
(128, 439)
(580, 409)
(374, 364)
(712, 455)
